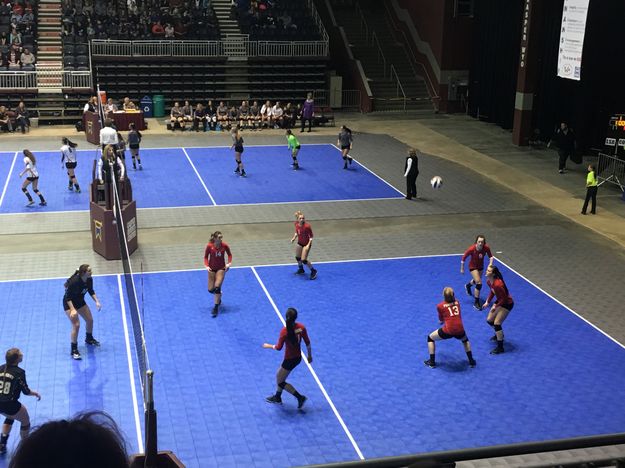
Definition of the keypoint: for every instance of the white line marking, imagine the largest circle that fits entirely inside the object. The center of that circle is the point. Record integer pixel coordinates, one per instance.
(6, 184)
(189, 147)
(312, 371)
(199, 177)
(131, 371)
(365, 167)
(183, 270)
(562, 304)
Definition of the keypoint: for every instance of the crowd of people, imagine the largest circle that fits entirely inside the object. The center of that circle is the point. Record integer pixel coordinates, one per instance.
(19, 118)
(139, 19)
(222, 116)
(17, 35)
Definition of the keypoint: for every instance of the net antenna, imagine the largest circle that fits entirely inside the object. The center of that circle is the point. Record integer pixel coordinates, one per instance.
(146, 374)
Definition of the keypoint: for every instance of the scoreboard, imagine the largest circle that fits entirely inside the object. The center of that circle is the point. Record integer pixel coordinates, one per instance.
(615, 137)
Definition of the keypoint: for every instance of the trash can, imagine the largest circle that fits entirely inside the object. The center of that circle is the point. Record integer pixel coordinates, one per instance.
(147, 106)
(159, 105)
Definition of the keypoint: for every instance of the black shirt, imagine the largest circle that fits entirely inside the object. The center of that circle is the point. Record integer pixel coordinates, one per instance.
(12, 378)
(565, 141)
(77, 288)
(414, 167)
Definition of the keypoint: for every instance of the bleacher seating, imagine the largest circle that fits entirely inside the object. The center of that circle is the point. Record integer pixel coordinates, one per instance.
(286, 21)
(18, 29)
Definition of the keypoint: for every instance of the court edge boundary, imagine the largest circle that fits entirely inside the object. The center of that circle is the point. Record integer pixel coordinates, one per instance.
(312, 371)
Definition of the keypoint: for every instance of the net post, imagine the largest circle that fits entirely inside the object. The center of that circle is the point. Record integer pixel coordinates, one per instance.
(151, 443)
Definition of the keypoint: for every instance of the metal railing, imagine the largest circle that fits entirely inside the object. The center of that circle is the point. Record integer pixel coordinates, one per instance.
(611, 169)
(46, 78)
(413, 62)
(399, 86)
(351, 99)
(321, 97)
(380, 54)
(317, 20)
(364, 27)
(117, 48)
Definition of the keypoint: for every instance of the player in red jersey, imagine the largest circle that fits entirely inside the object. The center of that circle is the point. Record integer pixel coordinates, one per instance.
(501, 308)
(476, 265)
(217, 267)
(291, 335)
(304, 236)
(450, 318)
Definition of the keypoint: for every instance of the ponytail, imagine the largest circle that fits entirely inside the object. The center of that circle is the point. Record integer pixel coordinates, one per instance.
(82, 269)
(291, 316)
(497, 275)
(68, 142)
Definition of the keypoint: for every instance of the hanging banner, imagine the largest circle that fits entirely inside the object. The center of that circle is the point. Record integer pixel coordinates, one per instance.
(572, 39)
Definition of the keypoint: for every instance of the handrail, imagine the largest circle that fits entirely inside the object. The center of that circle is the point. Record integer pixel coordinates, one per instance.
(399, 86)
(363, 22)
(318, 22)
(414, 61)
(380, 53)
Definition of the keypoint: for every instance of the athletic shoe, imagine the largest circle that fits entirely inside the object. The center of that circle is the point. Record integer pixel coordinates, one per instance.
(215, 311)
(561, 171)
(477, 306)
(70, 188)
(313, 274)
(295, 167)
(350, 160)
(30, 203)
(140, 167)
(237, 170)
(134, 168)
(76, 355)
(274, 399)
(42, 203)
(468, 288)
(429, 363)
(493, 338)
(497, 350)
(243, 174)
(345, 166)
(300, 401)
(77, 190)
(92, 341)
(300, 271)
(472, 363)
(3, 448)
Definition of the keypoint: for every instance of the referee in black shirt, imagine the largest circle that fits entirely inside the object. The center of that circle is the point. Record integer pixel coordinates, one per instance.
(74, 305)
(12, 384)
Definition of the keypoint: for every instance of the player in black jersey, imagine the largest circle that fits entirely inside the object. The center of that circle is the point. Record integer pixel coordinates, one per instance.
(12, 384)
(74, 305)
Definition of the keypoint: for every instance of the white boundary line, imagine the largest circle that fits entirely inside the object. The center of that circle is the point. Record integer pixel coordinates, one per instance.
(373, 173)
(182, 270)
(6, 184)
(312, 371)
(562, 304)
(131, 370)
(199, 177)
(56, 150)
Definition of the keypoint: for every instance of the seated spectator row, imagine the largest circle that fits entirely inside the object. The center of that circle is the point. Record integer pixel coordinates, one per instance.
(11, 120)
(17, 34)
(266, 20)
(12, 60)
(139, 20)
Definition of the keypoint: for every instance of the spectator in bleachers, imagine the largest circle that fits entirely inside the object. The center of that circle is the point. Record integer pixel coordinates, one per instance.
(169, 31)
(15, 36)
(158, 30)
(22, 117)
(13, 61)
(199, 118)
(4, 39)
(27, 58)
(5, 120)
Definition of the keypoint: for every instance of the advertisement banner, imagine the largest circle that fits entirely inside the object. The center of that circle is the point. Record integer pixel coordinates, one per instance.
(571, 43)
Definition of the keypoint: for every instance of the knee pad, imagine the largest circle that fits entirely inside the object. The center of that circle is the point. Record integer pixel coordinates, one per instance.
(305, 262)
(430, 340)
(478, 286)
(282, 385)
(9, 421)
(465, 340)
(36, 191)
(299, 259)
(497, 328)
(491, 323)
(217, 290)
(212, 291)
(24, 189)
(344, 158)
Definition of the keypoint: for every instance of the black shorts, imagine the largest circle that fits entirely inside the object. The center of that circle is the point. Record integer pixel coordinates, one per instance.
(446, 336)
(70, 165)
(302, 245)
(238, 149)
(78, 303)
(290, 364)
(298, 147)
(479, 270)
(509, 306)
(32, 179)
(10, 408)
(344, 147)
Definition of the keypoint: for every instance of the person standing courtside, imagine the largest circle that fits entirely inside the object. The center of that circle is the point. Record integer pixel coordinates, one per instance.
(108, 135)
(308, 112)
(564, 138)
(12, 384)
(591, 190)
(411, 172)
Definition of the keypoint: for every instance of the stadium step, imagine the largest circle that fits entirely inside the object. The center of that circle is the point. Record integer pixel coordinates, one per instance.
(222, 12)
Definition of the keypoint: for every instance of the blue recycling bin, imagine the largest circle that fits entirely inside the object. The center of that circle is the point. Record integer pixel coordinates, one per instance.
(147, 106)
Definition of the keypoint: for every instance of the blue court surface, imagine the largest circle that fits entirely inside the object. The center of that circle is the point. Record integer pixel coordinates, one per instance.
(176, 177)
(368, 390)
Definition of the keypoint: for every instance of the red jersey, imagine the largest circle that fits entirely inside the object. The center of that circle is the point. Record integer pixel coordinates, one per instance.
(449, 314)
(304, 233)
(498, 288)
(293, 351)
(217, 260)
(477, 256)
